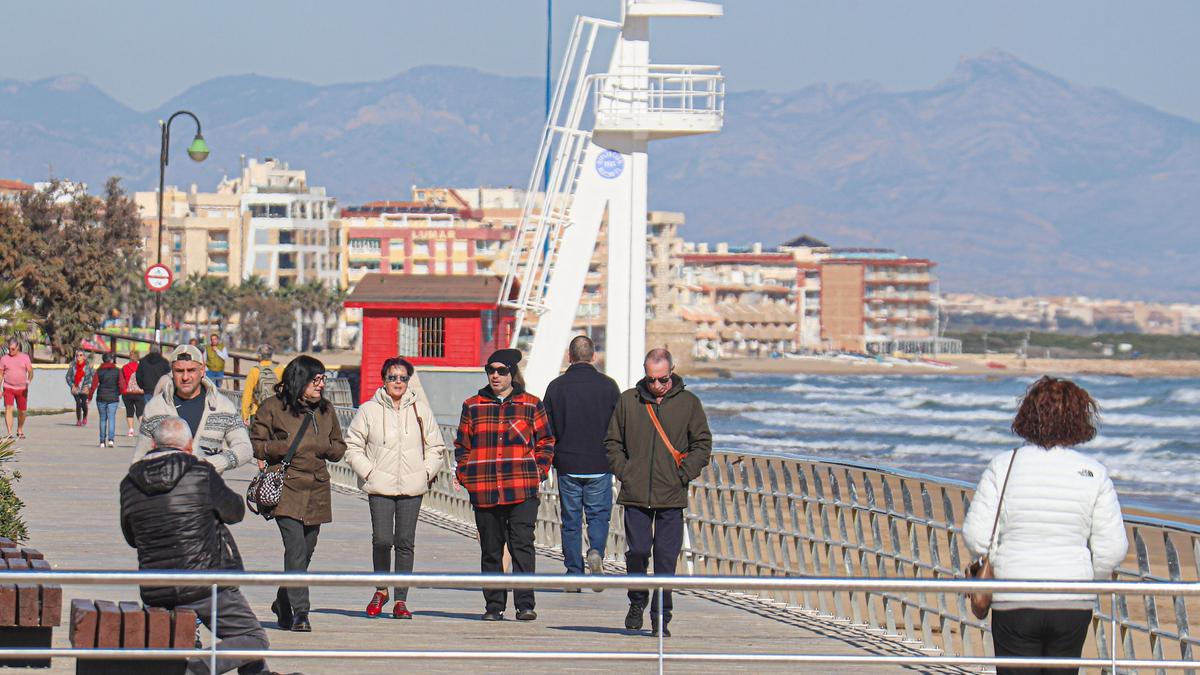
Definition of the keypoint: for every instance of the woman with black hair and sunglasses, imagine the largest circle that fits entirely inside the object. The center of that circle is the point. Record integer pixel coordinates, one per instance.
(299, 427)
(503, 452)
(396, 448)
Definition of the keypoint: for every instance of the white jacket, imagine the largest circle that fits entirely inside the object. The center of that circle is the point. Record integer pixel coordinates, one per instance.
(1060, 520)
(385, 448)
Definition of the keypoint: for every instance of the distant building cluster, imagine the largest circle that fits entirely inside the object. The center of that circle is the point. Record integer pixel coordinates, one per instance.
(802, 296)
(1072, 314)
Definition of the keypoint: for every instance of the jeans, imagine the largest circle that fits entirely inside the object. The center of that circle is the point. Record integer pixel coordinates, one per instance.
(217, 377)
(658, 532)
(108, 419)
(1039, 632)
(580, 498)
(394, 527)
(299, 542)
(237, 628)
(510, 524)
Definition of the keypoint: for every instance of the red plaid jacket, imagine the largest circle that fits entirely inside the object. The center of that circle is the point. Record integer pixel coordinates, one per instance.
(504, 448)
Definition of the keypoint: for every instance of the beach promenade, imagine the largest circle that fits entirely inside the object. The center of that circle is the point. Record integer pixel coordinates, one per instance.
(70, 490)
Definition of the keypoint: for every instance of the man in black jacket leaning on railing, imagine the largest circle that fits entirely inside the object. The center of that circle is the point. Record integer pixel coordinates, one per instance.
(175, 510)
(658, 441)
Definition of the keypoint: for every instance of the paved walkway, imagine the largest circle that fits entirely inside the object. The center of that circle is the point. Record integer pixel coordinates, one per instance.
(70, 490)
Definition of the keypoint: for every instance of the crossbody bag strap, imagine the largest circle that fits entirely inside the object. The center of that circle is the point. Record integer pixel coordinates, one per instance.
(291, 453)
(678, 456)
(420, 429)
(1000, 503)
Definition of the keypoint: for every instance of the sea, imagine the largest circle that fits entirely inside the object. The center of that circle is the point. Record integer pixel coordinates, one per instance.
(952, 425)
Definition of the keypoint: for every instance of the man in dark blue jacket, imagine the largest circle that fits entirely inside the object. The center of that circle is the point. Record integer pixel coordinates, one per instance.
(580, 404)
(175, 510)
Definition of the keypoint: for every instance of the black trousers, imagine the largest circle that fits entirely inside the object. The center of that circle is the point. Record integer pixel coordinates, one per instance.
(1039, 632)
(81, 407)
(299, 542)
(510, 524)
(237, 628)
(394, 528)
(657, 533)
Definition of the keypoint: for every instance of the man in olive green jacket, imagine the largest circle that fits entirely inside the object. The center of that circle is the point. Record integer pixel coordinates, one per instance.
(654, 472)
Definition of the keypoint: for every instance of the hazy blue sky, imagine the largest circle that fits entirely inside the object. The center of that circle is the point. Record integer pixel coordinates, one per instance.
(143, 52)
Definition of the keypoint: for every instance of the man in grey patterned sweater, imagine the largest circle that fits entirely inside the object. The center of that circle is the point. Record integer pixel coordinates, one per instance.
(220, 437)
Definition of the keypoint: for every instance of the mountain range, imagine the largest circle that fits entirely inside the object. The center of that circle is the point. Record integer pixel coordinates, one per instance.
(1013, 180)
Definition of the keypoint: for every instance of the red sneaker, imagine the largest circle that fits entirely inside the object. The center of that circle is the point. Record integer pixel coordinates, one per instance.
(400, 611)
(377, 602)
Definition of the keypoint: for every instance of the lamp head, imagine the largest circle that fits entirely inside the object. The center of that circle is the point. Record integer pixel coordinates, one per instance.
(198, 150)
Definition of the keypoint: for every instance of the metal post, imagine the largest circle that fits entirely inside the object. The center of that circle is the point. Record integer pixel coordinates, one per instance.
(1113, 641)
(662, 629)
(549, 44)
(212, 657)
(162, 171)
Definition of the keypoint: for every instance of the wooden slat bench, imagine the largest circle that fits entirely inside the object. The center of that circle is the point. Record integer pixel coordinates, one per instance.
(28, 612)
(102, 624)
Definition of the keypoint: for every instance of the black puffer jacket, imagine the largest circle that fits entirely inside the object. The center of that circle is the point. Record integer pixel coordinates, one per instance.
(107, 384)
(174, 511)
(150, 370)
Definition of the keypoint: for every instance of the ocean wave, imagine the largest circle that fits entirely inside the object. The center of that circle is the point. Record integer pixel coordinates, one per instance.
(1142, 420)
(794, 444)
(1120, 443)
(1186, 395)
(1122, 403)
(859, 427)
(961, 400)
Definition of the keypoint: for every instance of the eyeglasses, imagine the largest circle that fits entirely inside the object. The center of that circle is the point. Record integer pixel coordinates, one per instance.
(319, 379)
(666, 379)
(499, 370)
(397, 378)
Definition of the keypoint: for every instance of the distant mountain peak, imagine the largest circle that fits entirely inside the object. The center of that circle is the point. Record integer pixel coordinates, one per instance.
(69, 82)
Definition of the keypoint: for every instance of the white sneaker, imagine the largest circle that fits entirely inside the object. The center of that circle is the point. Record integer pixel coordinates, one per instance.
(130, 434)
(112, 444)
(103, 444)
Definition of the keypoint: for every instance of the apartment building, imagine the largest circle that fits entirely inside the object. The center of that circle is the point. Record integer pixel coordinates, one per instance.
(203, 232)
(876, 300)
(11, 190)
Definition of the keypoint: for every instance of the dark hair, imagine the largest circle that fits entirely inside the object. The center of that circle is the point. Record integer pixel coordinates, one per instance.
(108, 357)
(296, 377)
(1056, 413)
(518, 379)
(582, 349)
(394, 362)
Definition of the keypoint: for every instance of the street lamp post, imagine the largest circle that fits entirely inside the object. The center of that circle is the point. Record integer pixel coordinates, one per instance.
(198, 151)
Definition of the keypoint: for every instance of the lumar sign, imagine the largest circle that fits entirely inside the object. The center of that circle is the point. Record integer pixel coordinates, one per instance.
(437, 235)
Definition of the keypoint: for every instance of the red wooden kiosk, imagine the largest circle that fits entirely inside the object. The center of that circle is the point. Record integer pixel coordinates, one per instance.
(429, 320)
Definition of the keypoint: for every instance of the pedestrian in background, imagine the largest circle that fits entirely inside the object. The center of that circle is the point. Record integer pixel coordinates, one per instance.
(106, 386)
(658, 442)
(131, 393)
(299, 428)
(215, 356)
(1045, 511)
(503, 451)
(16, 371)
(151, 370)
(580, 403)
(260, 382)
(79, 379)
(395, 447)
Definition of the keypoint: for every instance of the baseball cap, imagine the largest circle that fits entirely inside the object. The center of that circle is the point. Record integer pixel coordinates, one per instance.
(186, 353)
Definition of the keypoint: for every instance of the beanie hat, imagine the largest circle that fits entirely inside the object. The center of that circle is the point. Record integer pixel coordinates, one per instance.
(509, 357)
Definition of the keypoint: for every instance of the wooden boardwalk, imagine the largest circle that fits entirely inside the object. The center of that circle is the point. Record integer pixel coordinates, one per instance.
(70, 490)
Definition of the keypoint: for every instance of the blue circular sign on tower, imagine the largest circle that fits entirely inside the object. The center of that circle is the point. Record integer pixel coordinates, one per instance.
(610, 164)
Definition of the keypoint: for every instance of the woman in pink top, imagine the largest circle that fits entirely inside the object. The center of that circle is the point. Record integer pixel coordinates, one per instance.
(18, 373)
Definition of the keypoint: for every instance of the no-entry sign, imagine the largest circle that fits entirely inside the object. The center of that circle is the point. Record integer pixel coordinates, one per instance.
(158, 278)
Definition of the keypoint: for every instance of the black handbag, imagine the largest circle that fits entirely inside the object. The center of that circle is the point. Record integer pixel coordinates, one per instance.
(266, 488)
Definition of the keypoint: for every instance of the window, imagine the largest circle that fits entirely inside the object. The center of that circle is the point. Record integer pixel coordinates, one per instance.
(460, 246)
(176, 240)
(287, 261)
(397, 267)
(420, 268)
(422, 337)
(286, 237)
(460, 267)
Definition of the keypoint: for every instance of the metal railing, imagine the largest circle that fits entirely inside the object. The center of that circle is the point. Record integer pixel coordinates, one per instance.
(689, 90)
(217, 580)
(787, 516)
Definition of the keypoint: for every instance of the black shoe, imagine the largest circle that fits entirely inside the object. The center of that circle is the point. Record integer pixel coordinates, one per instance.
(300, 624)
(666, 632)
(633, 618)
(492, 616)
(526, 615)
(283, 616)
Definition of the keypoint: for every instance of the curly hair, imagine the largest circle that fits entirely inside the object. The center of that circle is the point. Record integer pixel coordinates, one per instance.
(1056, 413)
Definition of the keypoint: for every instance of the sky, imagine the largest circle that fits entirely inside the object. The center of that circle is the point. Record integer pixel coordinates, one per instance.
(142, 52)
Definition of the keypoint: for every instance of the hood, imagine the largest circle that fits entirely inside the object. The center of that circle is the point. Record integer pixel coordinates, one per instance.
(107, 365)
(643, 390)
(381, 397)
(486, 392)
(161, 470)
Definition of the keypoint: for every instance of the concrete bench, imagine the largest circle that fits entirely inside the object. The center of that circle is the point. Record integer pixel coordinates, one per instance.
(28, 612)
(102, 624)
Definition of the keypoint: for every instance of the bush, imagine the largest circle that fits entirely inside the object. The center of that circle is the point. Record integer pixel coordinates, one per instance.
(11, 524)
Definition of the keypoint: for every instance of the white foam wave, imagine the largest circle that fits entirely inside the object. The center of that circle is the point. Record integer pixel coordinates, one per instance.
(1186, 395)
(860, 427)
(1142, 420)
(1123, 403)
(794, 444)
(1122, 443)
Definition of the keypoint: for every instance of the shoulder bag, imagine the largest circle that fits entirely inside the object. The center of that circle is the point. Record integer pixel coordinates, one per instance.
(266, 488)
(981, 568)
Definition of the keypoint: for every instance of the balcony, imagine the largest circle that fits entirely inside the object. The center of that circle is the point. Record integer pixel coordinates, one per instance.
(218, 244)
(218, 268)
(663, 101)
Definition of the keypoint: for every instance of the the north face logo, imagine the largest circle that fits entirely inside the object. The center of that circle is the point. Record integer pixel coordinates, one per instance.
(1086, 473)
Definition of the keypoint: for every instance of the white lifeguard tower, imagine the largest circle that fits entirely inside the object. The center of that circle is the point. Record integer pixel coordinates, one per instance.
(634, 102)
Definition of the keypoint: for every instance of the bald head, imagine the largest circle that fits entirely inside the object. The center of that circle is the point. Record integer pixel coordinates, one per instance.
(173, 432)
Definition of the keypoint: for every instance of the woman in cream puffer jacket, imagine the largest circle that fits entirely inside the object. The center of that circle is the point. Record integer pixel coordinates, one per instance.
(396, 448)
(1057, 519)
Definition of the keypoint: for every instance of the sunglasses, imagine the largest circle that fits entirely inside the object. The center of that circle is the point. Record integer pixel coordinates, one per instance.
(396, 378)
(666, 379)
(499, 370)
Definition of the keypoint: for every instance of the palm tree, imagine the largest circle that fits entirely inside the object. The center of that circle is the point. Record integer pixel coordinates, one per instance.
(215, 296)
(13, 316)
(330, 307)
(180, 299)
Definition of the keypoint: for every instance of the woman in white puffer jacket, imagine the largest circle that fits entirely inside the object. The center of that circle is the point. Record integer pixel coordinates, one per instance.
(395, 446)
(1059, 520)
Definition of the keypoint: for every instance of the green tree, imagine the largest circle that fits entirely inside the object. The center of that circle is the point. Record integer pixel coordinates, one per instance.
(14, 319)
(216, 297)
(11, 523)
(179, 300)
